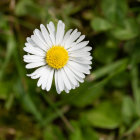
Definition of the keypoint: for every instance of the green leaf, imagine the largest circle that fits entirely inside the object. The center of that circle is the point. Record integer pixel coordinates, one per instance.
(10, 48)
(83, 132)
(21, 7)
(138, 18)
(77, 134)
(89, 94)
(132, 47)
(104, 54)
(121, 79)
(128, 110)
(4, 90)
(89, 134)
(26, 7)
(27, 101)
(114, 10)
(106, 115)
(85, 94)
(4, 22)
(134, 126)
(109, 68)
(99, 24)
(128, 30)
(9, 101)
(135, 86)
(53, 132)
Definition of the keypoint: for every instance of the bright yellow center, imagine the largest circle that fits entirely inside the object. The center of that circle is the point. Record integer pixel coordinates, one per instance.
(57, 57)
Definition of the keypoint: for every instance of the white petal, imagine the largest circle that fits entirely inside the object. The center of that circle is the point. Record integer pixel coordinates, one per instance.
(34, 65)
(66, 36)
(66, 90)
(85, 49)
(40, 81)
(80, 80)
(79, 74)
(37, 72)
(71, 39)
(88, 58)
(33, 50)
(51, 29)
(75, 31)
(42, 74)
(50, 79)
(46, 77)
(60, 32)
(89, 67)
(41, 38)
(70, 76)
(33, 61)
(34, 44)
(60, 81)
(46, 35)
(29, 40)
(73, 76)
(38, 42)
(80, 38)
(32, 57)
(81, 60)
(79, 67)
(56, 82)
(75, 86)
(80, 54)
(78, 46)
(65, 79)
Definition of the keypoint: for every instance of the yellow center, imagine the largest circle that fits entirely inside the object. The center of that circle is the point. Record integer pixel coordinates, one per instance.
(57, 57)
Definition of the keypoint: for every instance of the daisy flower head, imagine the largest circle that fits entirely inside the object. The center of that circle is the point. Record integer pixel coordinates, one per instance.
(57, 55)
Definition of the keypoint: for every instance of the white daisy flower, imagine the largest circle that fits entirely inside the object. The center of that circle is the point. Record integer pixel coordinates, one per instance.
(64, 56)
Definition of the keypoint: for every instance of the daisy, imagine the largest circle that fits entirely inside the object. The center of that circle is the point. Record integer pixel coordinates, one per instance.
(57, 55)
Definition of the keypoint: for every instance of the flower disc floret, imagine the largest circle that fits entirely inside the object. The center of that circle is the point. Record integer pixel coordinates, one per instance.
(57, 57)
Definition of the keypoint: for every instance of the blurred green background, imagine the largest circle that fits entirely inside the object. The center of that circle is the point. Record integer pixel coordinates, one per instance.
(106, 106)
